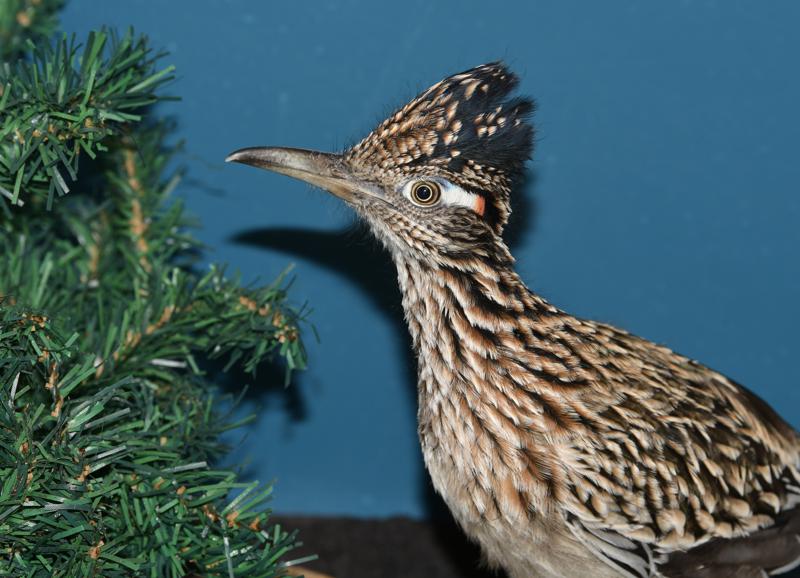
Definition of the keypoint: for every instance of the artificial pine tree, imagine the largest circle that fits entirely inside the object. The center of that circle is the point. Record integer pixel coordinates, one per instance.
(108, 427)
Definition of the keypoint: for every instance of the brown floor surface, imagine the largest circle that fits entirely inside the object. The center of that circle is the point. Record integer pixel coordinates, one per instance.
(388, 548)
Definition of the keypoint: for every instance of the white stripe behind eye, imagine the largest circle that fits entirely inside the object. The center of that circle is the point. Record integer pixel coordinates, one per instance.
(455, 195)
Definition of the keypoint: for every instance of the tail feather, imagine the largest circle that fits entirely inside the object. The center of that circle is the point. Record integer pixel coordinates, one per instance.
(768, 552)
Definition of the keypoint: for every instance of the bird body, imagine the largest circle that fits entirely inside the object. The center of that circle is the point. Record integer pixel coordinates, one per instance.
(539, 429)
(561, 445)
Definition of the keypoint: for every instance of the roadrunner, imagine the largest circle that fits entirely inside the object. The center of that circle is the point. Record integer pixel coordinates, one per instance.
(565, 447)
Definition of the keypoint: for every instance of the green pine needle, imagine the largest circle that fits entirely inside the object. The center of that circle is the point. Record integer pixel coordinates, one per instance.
(23, 21)
(66, 99)
(108, 428)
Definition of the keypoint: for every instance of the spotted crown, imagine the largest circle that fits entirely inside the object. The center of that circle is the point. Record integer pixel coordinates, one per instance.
(465, 129)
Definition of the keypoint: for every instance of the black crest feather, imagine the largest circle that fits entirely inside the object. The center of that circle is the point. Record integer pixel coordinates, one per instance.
(465, 128)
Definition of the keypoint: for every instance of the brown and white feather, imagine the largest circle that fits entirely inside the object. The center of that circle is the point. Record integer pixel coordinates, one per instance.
(555, 440)
(563, 446)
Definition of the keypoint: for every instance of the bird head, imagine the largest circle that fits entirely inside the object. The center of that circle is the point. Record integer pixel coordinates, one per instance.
(433, 178)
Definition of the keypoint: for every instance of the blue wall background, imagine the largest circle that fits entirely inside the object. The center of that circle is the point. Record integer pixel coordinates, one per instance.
(663, 198)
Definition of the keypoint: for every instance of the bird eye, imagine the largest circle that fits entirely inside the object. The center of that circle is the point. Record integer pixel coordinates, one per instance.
(425, 193)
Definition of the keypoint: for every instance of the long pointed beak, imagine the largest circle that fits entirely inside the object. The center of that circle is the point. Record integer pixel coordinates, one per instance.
(325, 170)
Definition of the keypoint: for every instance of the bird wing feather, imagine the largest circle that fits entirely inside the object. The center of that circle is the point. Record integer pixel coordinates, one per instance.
(771, 551)
(683, 460)
(631, 558)
(768, 552)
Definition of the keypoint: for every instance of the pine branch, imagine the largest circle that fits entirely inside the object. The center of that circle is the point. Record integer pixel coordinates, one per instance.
(122, 248)
(61, 103)
(132, 464)
(108, 428)
(23, 21)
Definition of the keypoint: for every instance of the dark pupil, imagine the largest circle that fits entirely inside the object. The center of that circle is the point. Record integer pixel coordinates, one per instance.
(424, 193)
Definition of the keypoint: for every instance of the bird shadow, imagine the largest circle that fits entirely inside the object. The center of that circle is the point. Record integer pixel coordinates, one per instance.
(244, 395)
(354, 256)
(351, 254)
(263, 388)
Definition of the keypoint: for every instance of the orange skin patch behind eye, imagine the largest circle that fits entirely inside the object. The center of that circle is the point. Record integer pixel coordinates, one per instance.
(480, 205)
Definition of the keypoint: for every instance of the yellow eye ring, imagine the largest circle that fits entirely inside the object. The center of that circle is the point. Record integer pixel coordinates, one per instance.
(426, 193)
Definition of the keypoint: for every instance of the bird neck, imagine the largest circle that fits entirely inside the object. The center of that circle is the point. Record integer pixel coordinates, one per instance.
(494, 359)
(466, 313)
